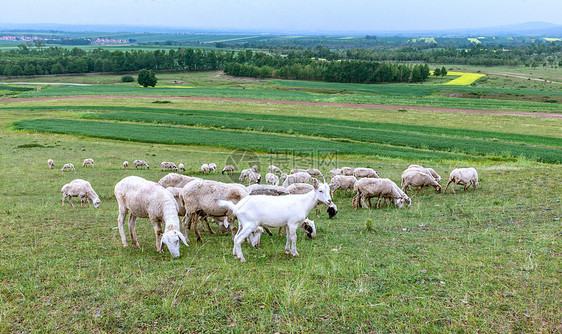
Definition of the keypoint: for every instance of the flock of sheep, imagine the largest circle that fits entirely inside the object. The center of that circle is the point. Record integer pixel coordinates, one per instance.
(256, 207)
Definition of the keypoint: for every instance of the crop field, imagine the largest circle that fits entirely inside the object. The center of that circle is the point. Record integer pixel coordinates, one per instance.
(486, 260)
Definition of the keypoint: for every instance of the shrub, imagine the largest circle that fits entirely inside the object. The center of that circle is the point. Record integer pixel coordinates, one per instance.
(146, 78)
(127, 78)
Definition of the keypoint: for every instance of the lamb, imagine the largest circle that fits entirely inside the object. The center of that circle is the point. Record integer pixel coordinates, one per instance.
(181, 168)
(140, 163)
(430, 171)
(212, 168)
(168, 165)
(367, 188)
(314, 172)
(416, 178)
(68, 166)
(335, 171)
(297, 170)
(176, 180)
(228, 169)
(342, 182)
(125, 164)
(81, 189)
(365, 172)
(298, 177)
(347, 171)
(200, 199)
(51, 163)
(462, 176)
(147, 199)
(277, 211)
(274, 169)
(88, 162)
(272, 179)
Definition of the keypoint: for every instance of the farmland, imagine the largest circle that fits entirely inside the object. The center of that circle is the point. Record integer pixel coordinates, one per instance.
(482, 260)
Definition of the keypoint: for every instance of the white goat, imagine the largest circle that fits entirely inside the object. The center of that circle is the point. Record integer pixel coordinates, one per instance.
(277, 211)
(462, 176)
(147, 199)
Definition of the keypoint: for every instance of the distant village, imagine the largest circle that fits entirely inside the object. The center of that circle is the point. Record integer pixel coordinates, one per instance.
(100, 41)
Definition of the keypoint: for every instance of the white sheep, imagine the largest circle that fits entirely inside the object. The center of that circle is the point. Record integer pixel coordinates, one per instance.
(266, 189)
(212, 168)
(297, 170)
(315, 172)
(205, 168)
(272, 179)
(430, 171)
(140, 163)
(347, 171)
(88, 162)
(51, 163)
(251, 175)
(181, 168)
(228, 169)
(255, 168)
(125, 164)
(277, 211)
(68, 166)
(368, 188)
(365, 172)
(81, 189)
(298, 177)
(168, 165)
(462, 176)
(274, 169)
(200, 200)
(335, 171)
(342, 182)
(176, 180)
(147, 199)
(417, 178)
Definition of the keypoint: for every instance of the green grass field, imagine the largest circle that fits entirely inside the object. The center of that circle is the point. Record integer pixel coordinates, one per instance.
(485, 260)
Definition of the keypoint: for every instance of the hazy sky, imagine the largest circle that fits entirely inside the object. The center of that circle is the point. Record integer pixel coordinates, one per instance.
(286, 15)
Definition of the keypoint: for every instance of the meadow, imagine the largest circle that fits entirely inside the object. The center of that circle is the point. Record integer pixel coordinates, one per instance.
(483, 260)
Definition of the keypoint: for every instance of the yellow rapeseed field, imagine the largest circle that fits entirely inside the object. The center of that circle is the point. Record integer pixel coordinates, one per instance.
(465, 79)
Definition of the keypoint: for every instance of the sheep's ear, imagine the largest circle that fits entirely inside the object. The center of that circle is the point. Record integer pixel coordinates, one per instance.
(315, 184)
(182, 238)
(161, 241)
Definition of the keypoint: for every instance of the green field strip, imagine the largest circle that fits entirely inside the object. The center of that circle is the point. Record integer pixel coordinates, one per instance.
(376, 136)
(430, 130)
(238, 140)
(290, 95)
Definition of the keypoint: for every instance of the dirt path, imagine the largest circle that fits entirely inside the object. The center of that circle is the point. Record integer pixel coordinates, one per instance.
(343, 105)
(514, 75)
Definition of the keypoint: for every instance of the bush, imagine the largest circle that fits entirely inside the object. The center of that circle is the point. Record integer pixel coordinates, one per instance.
(146, 78)
(127, 78)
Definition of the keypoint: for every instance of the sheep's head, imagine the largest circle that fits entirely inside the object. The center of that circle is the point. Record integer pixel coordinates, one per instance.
(172, 240)
(332, 210)
(438, 188)
(309, 228)
(399, 202)
(255, 237)
(96, 202)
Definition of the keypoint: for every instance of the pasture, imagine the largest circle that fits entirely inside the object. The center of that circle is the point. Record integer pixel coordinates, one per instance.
(485, 260)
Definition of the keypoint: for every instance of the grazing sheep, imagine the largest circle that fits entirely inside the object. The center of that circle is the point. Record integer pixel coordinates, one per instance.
(255, 168)
(67, 166)
(368, 188)
(176, 180)
(347, 171)
(88, 162)
(429, 171)
(181, 168)
(125, 164)
(298, 177)
(228, 169)
(276, 211)
(365, 172)
(315, 172)
(335, 171)
(297, 170)
(266, 189)
(274, 169)
(81, 189)
(212, 168)
(205, 168)
(147, 199)
(416, 178)
(342, 182)
(140, 163)
(200, 200)
(51, 163)
(272, 179)
(462, 176)
(250, 175)
(168, 165)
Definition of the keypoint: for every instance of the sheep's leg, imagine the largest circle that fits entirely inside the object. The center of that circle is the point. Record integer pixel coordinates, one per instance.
(363, 204)
(474, 184)
(121, 225)
(466, 184)
(195, 217)
(287, 244)
(239, 239)
(70, 201)
(63, 198)
(133, 231)
(158, 231)
(292, 234)
(209, 226)
(279, 232)
(447, 186)
(370, 205)
(378, 205)
(184, 227)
